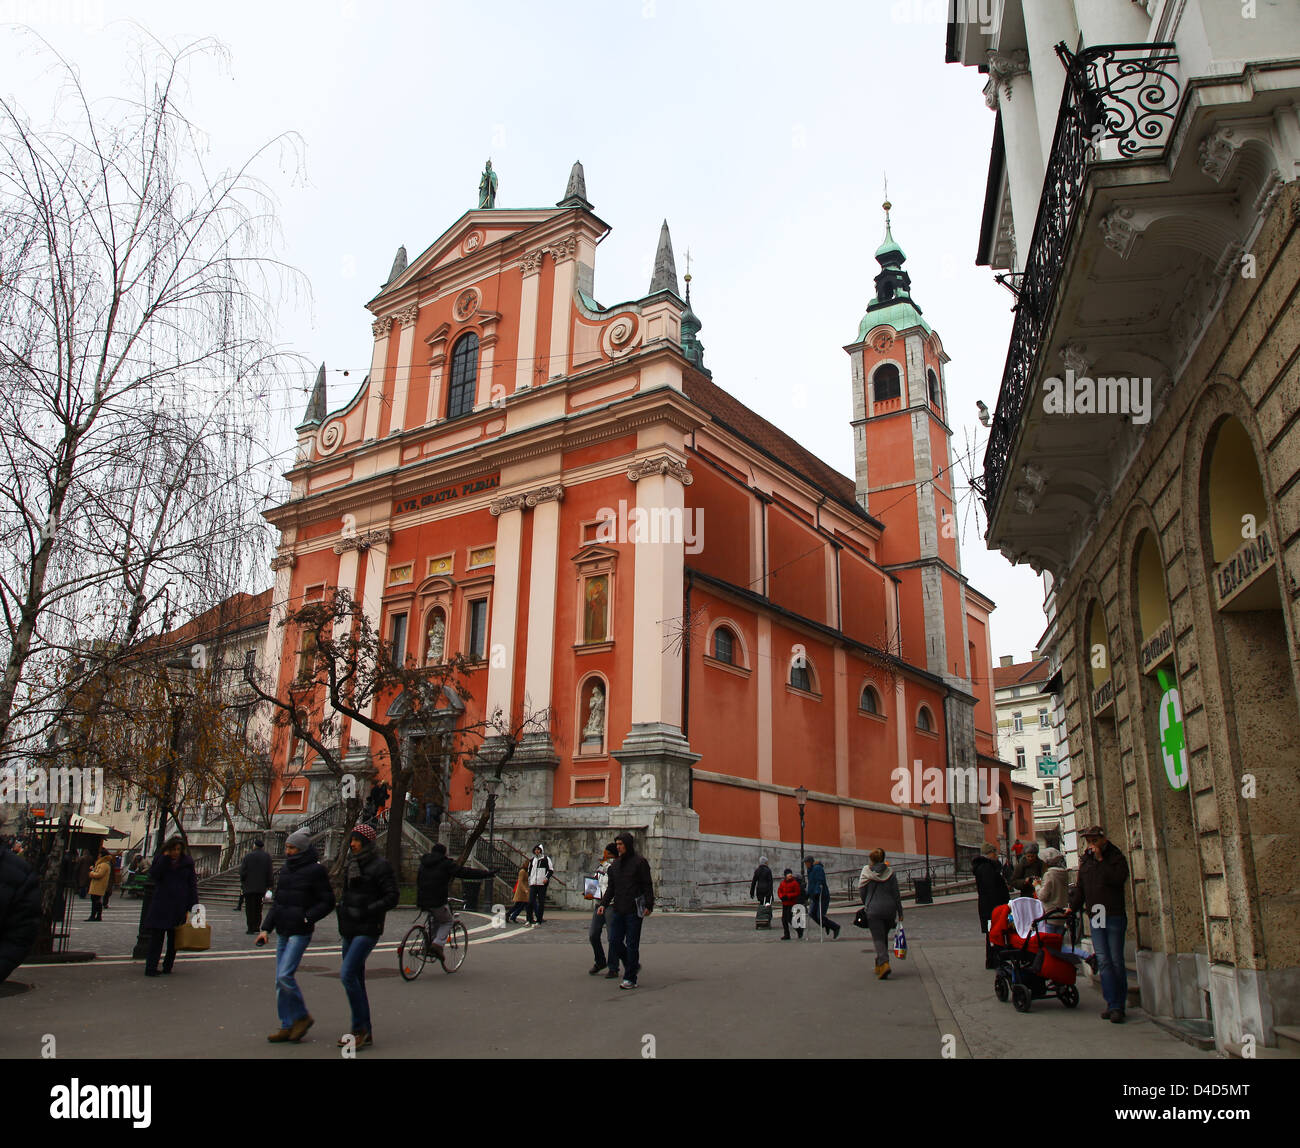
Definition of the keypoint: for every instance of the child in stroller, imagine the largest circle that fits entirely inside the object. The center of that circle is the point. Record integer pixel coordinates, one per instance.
(1032, 962)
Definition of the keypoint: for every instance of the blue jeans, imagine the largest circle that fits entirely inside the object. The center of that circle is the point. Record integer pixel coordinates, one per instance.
(593, 935)
(625, 942)
(353, 976)
(288, 997)
(1108, 944)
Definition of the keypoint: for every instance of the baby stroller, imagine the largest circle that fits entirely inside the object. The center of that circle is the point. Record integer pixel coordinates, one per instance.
(1032, 963)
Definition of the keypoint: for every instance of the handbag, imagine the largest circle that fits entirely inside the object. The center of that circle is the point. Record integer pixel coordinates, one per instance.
(900, 944)
(190, 939)
(860, 919)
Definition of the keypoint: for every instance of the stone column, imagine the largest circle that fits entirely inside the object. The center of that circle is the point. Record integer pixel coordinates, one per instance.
(1047, 23)
(402, 375)
(1112, 23)
(378, 366)
(655, 757)
(563, 252)
(530, 265)
(1011, 90)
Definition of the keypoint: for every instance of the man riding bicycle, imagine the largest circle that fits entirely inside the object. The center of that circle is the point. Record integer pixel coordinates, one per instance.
(436, 873)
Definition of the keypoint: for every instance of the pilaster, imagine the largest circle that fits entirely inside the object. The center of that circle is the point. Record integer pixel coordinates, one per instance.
(530, 266)
(380, 328)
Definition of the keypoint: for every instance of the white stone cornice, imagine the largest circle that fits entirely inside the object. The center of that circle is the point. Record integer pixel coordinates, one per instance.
(363, 540)
(661, 464)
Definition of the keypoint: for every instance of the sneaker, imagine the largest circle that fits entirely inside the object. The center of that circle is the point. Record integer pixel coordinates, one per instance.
(279, 1036)
(300, 1027)
(627, 984)
(591, 972)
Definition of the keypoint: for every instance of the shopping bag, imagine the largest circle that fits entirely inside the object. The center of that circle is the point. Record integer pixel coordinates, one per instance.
(900, 944)
(190, 939)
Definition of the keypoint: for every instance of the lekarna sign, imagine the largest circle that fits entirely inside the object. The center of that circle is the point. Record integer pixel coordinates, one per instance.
(1173, 739)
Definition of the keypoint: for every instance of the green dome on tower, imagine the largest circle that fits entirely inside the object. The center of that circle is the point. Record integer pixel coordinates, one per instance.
(892, 303)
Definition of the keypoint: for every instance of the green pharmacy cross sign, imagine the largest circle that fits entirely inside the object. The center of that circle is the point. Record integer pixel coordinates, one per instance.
(1047, 767)
(1173, 737)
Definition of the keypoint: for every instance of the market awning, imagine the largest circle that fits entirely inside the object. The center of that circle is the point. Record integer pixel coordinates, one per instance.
(78, 824)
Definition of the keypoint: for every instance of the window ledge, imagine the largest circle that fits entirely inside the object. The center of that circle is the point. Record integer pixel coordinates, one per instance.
(730, 667)
(802, 693)
(867, 713)
(592, 647)
(928, 732)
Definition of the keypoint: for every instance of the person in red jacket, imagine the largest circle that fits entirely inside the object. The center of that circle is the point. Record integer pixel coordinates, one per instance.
(788, 891)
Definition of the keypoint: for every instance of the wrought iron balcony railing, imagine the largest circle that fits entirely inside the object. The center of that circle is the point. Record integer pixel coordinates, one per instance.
(1125, 93)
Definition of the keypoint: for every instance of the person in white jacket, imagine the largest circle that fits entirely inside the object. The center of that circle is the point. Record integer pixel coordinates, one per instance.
(539, 876)
(598, 919)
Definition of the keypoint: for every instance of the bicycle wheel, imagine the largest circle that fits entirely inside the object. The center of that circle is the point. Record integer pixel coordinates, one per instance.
(453, 952)
(413, 952)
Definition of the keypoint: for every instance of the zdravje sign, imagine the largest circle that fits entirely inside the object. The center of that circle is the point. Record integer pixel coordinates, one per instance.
(447, 493)
(1157, 647)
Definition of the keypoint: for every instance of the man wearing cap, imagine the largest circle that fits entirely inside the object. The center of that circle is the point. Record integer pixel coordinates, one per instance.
(255, 876)
(369, 892)
(302, 897)
(1103, 872)
(1027, 869)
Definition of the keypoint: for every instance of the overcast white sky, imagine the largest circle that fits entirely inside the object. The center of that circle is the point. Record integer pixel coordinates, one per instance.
(761, 131)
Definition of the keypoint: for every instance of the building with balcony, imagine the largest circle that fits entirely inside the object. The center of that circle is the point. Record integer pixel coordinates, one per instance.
(1027, 739)
(1143, 206)
(710, 618)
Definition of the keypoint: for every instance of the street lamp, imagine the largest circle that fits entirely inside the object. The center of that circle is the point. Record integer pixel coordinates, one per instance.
(1006, 827)
(801, 796)
(925, 817)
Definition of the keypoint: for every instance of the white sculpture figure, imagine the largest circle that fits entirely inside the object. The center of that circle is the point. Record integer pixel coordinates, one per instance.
(437, 636)
(595, 728)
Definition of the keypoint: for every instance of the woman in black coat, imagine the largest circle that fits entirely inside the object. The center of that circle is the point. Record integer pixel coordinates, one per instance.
(176, 892)
(992, 889)
(369, 892)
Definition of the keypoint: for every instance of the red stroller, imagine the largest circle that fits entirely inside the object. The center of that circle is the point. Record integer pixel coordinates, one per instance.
(1032, 966)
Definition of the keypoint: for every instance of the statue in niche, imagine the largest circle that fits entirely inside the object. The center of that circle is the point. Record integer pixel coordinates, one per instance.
(593, 732)
(437, 639)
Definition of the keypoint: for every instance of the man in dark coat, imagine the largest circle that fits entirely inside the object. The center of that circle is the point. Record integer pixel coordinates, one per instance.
(20, 910)
(255, 876)
(629, 898)
(436, 873)
(992, 889)
(176, 892)
(369, 892)
(819, 897)
(760, 885)
(302, 897)
(84, 864)
(1027, 868)
(1103, 873)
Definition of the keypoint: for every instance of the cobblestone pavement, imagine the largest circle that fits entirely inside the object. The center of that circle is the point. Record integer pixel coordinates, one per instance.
(711, 986)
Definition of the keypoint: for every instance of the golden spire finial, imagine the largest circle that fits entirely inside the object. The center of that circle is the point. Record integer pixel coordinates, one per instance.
(886, 205)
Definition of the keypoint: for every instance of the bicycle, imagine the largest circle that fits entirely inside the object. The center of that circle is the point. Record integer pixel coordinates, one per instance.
(416, 949)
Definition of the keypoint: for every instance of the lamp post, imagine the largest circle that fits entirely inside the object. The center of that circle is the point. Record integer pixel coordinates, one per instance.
(177, 698)
(1006, 827)
(801, 796)
(925, 817)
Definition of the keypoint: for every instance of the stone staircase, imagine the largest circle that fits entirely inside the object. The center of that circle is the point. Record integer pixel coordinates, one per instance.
(1288, 1046)
(221, 890)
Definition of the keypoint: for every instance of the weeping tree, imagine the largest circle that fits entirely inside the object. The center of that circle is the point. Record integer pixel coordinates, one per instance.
(137, 313)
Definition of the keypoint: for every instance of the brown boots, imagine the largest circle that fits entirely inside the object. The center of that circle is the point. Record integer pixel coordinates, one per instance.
(882, 971)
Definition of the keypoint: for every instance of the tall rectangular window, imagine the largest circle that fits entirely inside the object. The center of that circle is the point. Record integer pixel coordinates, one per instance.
(478, 629)
(595, 614)
(1044, 722)
(399, 639)
(1020, 758)
(1018, 723)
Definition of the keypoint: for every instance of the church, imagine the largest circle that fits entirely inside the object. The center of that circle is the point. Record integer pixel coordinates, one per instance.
(736, 647)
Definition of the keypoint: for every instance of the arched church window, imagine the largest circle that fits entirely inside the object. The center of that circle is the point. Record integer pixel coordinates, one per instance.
(924, 721)
(933, 380)
(464, 376)
(724, 645)
(886, 383)
(870, 703)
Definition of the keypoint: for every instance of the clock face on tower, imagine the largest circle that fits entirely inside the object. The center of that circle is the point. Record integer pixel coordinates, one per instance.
(466, 304)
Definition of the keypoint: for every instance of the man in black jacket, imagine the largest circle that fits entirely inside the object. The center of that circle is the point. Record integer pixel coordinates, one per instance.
(369, 892)
(255, 876)
(431, 882)
(1103, 873)
(629, 898)
(302, 897)
(20, 910)
(992, 891)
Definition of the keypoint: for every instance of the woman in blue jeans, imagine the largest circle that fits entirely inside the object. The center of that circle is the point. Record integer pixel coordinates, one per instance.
(369, 892)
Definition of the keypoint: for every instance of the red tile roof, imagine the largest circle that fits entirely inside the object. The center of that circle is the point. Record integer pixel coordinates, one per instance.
(729, 411)
(1022, 674)
(238, 612)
